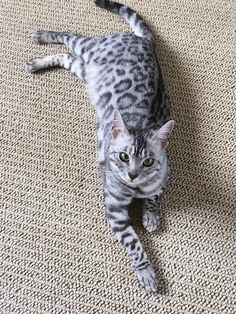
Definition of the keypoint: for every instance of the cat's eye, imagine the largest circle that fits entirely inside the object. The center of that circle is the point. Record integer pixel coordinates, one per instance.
(124, 157)
(148, 162)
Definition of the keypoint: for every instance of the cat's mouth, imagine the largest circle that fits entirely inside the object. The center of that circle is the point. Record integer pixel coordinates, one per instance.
(127, 180)
(133, 182)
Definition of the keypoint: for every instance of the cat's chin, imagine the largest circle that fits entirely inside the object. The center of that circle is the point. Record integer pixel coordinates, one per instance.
(134, 182)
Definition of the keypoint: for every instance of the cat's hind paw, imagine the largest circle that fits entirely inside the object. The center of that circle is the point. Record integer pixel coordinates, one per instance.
(32, 66)
(38, 37)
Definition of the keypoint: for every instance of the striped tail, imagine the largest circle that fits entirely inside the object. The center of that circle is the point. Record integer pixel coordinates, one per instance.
(130, 16)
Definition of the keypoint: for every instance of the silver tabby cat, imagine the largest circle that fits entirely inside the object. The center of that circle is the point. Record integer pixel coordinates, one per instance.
(124, 81)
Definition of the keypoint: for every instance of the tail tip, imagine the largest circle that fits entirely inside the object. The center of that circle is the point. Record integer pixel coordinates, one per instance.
(102, 3)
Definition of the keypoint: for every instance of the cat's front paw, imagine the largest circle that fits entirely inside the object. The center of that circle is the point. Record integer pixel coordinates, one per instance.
(147, 279)
(150, 221)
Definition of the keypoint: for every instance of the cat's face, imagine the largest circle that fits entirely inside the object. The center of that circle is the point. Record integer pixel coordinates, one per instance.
(137, 157)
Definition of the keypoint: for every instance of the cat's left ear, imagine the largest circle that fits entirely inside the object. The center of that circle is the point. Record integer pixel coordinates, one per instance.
(118, 129)
(162, 136)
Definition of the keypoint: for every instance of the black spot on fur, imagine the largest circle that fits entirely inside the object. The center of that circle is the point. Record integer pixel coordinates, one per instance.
(140, 88)
(90, 46)
(112, 60)
(104, 99)
(117, 45)
(123, 85)
(126, 100)
(103, 40)
(133, 244)
(90, 56)
(115, 35)
(104, 60)
(84, 41)
(124, 61)
(139, 76)
(137, 68)
(120, 72)
(143, 104)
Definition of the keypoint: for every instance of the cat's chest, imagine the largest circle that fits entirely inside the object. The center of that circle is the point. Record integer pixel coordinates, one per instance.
(148, 191)
(153, 187)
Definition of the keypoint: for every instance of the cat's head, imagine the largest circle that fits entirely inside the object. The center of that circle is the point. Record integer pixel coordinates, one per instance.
(137, 156)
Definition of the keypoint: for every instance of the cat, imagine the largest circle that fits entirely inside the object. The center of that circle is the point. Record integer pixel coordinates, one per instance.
(125, 84)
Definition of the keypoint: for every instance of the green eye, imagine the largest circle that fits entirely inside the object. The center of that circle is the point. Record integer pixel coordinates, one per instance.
(124, 157)
(148, 162)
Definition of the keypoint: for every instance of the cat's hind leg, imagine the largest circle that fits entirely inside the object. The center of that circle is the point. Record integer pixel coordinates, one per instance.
(64, 60)
(48, 37)
(77, 45)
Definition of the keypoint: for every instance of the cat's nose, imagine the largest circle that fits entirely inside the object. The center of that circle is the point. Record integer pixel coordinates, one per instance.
(132, 175)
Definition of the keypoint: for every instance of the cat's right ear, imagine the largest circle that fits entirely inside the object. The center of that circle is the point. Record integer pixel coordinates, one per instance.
(162, 136)
(118, 128)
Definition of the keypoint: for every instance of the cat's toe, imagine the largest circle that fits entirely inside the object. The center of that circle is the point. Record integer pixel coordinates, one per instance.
(150, 222)
(147, 279)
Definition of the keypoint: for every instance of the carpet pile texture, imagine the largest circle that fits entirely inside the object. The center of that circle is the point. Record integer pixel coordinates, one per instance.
(57, 252)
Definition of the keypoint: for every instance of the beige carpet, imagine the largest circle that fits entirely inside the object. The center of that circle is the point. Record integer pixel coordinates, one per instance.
(58, 254)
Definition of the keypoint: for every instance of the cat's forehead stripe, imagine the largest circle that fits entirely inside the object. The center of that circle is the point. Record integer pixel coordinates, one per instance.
(139, 144)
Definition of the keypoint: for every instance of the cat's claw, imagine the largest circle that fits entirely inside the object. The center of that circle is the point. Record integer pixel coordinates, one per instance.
(147, 279)
(150, 221)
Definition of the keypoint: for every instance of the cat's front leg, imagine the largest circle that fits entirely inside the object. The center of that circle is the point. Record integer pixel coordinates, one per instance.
(150, 217)
(118, 217)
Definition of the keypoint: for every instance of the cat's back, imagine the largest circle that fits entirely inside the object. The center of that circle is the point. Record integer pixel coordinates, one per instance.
(124, 67)
(119, 45)
(121, 54)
